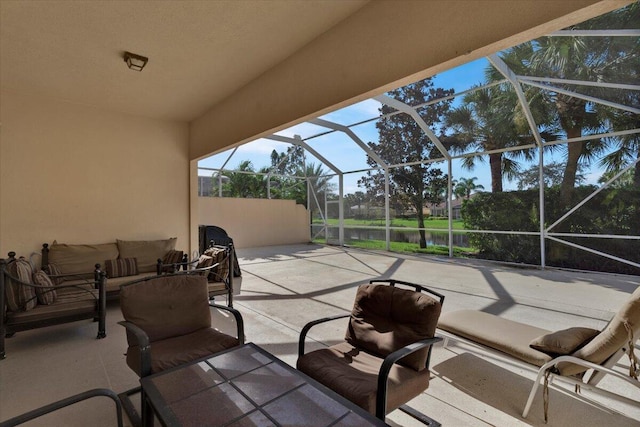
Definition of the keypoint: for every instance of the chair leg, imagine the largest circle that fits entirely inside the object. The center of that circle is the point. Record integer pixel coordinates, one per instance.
(147, 412)
(419, 416)
(532, 394)
(128, 406)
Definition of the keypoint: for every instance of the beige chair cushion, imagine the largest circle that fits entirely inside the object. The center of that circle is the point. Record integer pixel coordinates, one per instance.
(147, 252)
(563, 342)
(182, 349)
(622, 328)
(80, 259)
(167, 306)
(354, 375)
(385, 318)
(496, 332)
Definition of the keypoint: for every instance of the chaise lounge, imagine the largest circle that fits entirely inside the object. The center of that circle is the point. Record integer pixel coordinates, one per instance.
(580, 356)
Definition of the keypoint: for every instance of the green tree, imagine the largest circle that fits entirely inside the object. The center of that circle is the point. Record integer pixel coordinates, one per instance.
(465, 186)
(244, 183)
(486, 122)
(591, 59)
(552, 175)
(402, 141)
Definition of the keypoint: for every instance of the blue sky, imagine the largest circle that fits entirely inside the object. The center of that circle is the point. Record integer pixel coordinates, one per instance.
(347, 156)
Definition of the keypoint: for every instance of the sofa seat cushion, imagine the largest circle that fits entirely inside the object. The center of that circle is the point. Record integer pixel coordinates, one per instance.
(176, 351)
(354, 375)
(69, 302)
(112, 285)
(80, 259)
(496, 332)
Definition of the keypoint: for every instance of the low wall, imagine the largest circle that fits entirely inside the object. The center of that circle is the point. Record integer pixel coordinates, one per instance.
(256, 222)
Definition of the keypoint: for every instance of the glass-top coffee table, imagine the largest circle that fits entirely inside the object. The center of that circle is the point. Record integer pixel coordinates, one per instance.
(247, 386)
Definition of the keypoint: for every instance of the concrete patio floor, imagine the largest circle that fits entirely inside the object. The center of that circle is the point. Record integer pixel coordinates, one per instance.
(284, 287)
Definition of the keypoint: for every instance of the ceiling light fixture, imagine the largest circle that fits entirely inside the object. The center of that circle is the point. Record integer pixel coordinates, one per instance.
(135, 62)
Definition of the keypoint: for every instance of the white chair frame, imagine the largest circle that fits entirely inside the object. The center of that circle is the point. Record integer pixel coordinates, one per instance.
(589, 380)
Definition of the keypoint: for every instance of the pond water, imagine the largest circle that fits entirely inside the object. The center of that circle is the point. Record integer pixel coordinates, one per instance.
(432, 237)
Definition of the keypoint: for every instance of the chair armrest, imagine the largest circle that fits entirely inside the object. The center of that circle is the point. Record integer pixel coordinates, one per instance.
(236, 314)
(308, 326)
(142, 340)
(28, 416)
(383, 374)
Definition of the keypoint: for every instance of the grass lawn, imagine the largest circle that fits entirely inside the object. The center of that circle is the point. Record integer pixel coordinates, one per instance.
(408, 247)
(400, 222)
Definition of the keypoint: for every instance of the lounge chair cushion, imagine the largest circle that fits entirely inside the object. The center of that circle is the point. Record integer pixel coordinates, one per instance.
(496, 332)
(386, 318)
(148, 303)
(622, 329)
(176, 351)
(563, 342)
(354, 375)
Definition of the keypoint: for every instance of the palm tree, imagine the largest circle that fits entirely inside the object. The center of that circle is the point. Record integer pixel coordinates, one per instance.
(466, 186)
(581, 58)
(245, 184)
(485, 122)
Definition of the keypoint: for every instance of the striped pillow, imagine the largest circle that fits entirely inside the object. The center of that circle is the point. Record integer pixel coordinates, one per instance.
(121, 267)
(47, 293)
(203, 262)
(20, 297)
(171, 257)
(54, 270)
(221, 272)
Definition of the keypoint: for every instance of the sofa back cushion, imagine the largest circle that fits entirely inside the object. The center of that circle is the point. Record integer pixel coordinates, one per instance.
(19, 297)
(623, 329)
(80, 259)
(385, 319)
(167, 306)
(146, 252)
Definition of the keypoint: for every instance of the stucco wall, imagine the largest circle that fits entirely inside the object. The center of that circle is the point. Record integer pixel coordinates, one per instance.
(78, 174)
(256, 222)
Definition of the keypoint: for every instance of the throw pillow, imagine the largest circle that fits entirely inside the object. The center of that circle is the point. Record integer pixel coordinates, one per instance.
(563, 342)
(121, 267)
(53, 270)
(171, 257)
(46, 293)
(20, 296)
(220, 256)
(203, 262)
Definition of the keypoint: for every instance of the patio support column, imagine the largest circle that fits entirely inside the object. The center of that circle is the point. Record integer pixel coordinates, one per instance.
(387, 217)
(341, 209)
(450, 208)
(541, 195)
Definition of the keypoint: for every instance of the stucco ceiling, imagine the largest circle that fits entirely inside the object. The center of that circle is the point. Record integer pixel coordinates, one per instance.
(200, 52)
